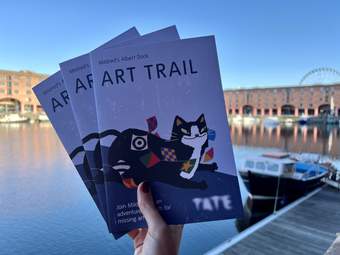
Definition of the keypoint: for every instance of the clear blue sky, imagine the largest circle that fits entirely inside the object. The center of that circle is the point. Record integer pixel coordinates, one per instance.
(260, 43)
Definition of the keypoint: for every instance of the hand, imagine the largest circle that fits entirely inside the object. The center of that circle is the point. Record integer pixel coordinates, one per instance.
(158, 238)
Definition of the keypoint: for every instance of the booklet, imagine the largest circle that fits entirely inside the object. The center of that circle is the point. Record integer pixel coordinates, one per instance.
(84, 110)
(162, 119)
(78, 80)
(53, 97)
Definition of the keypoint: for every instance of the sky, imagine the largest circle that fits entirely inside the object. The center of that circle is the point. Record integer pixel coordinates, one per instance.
(259, 42)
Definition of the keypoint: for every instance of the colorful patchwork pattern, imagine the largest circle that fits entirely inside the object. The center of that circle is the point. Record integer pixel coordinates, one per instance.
(209, 155)
(188, 165)
(129, 183)
(211, 134)
(168, 154)
(149, 160)
(152, 123)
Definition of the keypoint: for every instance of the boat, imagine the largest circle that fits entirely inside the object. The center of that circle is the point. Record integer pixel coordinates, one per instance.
(249, 120)
(331, 120)
(303, 120)
(42, 117)
(333, 179)
(271, 122)
(237, 120)
(276, 178)
(13, 118)
(305, 157)
(288, 122)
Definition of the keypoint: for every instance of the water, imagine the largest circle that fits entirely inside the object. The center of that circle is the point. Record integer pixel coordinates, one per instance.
(45, 208)
(323, 140)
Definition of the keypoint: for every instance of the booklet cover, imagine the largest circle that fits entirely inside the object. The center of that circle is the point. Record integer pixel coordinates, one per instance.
(78, 83)
(162, 107)
(78, 80)
(54, 98)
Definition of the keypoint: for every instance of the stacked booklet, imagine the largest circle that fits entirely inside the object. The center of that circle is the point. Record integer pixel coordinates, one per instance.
(147, 108)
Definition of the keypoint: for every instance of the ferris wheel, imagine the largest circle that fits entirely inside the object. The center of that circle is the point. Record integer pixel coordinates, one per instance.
(320, 76)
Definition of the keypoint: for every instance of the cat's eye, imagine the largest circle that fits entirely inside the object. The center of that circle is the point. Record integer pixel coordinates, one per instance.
(204, 129)
(184, 131)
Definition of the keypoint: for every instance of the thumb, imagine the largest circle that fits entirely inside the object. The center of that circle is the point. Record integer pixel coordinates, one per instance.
(146, 205)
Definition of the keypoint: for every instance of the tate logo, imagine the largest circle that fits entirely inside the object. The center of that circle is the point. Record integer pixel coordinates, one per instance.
(213, 203)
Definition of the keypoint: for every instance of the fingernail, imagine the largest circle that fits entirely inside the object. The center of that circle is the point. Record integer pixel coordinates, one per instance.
(145, 187)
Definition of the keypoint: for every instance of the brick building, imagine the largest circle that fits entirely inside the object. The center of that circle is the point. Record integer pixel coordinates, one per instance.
(312, 100)
(16, 95)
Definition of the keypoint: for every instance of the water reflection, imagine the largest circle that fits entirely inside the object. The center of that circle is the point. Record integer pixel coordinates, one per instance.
(25, 145)
(293, 138)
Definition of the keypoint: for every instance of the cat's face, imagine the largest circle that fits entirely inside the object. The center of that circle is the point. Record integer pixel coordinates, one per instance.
(193, 133)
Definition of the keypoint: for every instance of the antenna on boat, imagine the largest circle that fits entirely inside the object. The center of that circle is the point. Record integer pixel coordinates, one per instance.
(277, 192)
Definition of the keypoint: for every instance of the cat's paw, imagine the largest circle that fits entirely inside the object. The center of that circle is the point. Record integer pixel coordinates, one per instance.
(203, 185)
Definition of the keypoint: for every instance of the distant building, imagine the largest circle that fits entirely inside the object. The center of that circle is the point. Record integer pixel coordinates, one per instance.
(310, 100)
(16, 95)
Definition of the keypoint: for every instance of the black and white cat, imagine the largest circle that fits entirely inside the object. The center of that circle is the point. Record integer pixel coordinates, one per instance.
(137, 155)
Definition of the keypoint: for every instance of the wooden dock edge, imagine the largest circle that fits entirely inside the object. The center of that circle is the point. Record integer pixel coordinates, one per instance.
(335, 247)
(234, 240)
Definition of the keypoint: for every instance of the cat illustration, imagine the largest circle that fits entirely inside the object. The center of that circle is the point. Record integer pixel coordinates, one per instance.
(137, 155)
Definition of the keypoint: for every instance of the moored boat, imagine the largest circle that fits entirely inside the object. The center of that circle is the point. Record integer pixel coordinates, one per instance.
(333, 179)
(43, 117)
(303, 120)
(270, 122)
(13, 118)
(277, 177)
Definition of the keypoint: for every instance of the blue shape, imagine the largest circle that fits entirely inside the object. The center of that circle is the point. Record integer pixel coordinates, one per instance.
(211, 135)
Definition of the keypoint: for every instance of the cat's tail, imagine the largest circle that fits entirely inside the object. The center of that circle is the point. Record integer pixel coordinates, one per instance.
(91, 136)
(100, 135)
(109, 132)
(76, 151)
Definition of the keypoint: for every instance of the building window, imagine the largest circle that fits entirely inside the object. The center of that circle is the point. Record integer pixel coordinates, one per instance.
(9, 92)
(274, 111)
(301, 111)
(311, 112)
(266, 111)
(258, 111)
(230, 111)
(9, 83)
(16, 91)
(28, 92)
(2, 91)
(236, 111)
(28, 108)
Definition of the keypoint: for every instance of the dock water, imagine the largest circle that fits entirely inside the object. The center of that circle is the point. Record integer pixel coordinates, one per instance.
(307, 226)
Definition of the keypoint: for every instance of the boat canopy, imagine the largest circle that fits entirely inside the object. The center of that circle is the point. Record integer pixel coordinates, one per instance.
(269, 166)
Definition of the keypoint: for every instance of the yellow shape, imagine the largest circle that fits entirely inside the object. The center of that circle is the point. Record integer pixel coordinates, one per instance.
(186, 166)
